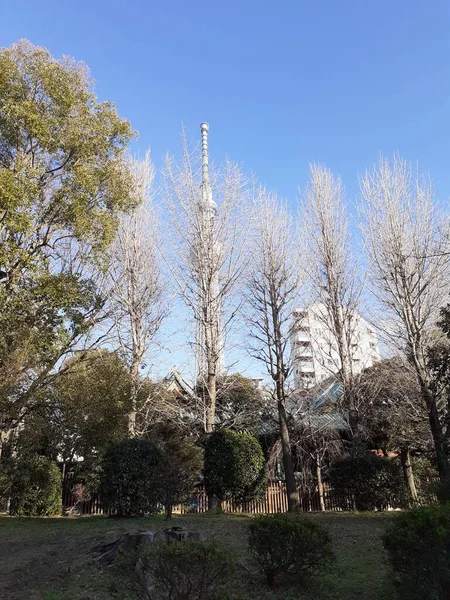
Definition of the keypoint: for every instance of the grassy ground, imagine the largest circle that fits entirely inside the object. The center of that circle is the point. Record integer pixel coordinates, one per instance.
(52, 559)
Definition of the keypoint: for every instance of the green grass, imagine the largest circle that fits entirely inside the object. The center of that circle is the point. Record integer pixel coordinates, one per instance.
(53, 559)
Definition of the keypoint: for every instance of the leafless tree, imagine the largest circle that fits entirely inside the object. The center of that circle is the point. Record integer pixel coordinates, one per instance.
(408, 269)
(317, 442)
(272, 285)
(331, 271)
(207, 231)
(137, 288)
(391, 409)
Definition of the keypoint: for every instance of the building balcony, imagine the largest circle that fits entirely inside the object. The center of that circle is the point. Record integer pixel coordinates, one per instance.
(302, 336)
(301, 351)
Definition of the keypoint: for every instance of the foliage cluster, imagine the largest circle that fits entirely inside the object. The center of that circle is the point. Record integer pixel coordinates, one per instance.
(33, 484)
(234, 466)
(140, 475)
(375, 482)
(180, 466)
(130, 477)
(63, 183)
(188, 569)
(289, 545)
(418, 547)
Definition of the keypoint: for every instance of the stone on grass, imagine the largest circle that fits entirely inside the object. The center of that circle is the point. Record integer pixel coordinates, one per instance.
(132, 540)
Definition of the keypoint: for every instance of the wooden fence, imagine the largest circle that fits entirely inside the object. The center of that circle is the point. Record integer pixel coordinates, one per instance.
(274, 501)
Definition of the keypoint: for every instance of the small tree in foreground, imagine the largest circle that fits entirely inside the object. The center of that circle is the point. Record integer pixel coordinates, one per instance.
(289, 545)
(234, 466)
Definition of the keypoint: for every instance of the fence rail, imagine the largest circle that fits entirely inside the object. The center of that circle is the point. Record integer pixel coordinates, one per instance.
(274, 501)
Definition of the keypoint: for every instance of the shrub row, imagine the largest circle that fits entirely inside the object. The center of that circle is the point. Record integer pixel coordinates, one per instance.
(287, 547)
(290, 548)
(137, 476)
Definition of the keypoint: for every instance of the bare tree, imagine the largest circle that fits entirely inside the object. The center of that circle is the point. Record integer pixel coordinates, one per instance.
(208, 235)
(272, 285)
(408, 270)
(331, 271)
(317, 442)
(137, 287)
(392, 412)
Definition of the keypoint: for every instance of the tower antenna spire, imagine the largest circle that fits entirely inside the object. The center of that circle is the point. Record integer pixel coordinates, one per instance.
(206, 186)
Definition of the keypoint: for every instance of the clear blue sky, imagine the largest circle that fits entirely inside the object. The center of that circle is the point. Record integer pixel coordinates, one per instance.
(281, 83)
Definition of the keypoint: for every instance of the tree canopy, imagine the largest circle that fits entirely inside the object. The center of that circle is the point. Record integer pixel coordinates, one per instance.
(63, 183)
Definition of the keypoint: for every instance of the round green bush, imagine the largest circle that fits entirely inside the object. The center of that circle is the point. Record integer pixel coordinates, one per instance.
(289, 545)
(187, 570)
(130, 478)
(35, 487)
(418, 548)
(375, 482)
(234, 466)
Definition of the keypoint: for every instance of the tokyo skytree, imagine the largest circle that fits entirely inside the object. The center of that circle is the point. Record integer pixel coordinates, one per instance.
(209, 342)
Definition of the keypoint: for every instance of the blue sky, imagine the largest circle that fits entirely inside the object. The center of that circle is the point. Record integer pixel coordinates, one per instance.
(281, 83)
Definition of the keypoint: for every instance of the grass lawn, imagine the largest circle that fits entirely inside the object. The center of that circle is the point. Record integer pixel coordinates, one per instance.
(52, 559)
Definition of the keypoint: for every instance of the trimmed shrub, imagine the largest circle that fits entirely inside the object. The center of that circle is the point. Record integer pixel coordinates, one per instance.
(289, 545)
(234, 466)
(374, 481)
(418, 548)
(130, 478)
(35, 487)
(187, 570)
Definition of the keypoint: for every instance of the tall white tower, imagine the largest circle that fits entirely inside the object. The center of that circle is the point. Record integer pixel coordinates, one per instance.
(209, 310)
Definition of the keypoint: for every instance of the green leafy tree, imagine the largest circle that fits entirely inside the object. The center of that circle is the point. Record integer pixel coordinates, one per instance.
(85, 410)
(63, 183)
(234, 466)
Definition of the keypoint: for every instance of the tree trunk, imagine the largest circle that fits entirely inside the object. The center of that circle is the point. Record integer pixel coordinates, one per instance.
(320, 483)
(134, 372)
(214, 504)
(405, 458)
(438, 440)
(291, 488)
(211, 404)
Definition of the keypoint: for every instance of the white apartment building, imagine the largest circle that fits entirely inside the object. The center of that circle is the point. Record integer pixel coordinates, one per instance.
(314, 349)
